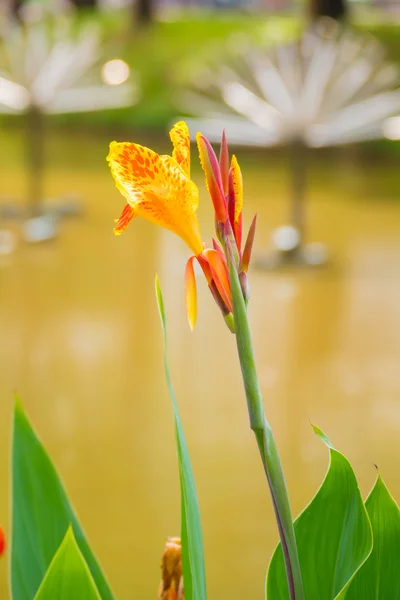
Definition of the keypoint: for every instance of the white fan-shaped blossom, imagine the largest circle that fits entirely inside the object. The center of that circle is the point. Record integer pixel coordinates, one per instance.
(331, 87)
(54, 66)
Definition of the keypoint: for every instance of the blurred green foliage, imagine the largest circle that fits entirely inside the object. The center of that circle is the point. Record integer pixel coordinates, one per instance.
(159, 53)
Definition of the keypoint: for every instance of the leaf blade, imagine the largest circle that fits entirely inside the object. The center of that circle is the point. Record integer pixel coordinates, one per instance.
(68, 575)
(41, 514)
(333, 535)
(379, 576)
(191, 532)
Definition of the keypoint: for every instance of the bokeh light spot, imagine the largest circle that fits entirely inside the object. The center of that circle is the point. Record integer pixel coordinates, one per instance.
(115, 72)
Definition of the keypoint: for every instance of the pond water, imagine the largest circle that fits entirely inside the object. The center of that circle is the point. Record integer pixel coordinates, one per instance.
(81, 343)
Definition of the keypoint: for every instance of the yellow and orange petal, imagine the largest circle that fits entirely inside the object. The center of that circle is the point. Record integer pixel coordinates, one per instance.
(191, 293)
(157, 189)
(237, 181)
(180, 139)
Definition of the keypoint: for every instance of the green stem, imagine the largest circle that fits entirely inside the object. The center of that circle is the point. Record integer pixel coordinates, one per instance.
(265, 439)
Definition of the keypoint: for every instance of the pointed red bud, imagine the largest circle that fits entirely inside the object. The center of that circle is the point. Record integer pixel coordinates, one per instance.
(224, 163)
(211, 168)
(248, 246)
(2, 541)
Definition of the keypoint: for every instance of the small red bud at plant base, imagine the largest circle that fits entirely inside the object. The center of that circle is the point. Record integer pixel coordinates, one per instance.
(2, 541)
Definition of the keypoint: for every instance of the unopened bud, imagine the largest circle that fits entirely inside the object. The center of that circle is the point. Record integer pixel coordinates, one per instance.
(171, 585)
(214, 183)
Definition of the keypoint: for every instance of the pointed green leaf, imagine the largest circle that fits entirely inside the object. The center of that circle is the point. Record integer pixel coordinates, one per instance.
(68, 576)
(333, 535)
(41, 514)
(379, 577)
(191, 534)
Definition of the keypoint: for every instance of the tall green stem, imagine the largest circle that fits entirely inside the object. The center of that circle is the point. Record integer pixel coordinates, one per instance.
(265, 439)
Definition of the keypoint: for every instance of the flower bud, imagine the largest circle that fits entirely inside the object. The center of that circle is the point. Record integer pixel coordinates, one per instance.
(214, 183)
(171, 585)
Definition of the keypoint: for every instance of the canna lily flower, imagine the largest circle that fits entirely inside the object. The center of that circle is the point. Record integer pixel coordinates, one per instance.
(159, 188)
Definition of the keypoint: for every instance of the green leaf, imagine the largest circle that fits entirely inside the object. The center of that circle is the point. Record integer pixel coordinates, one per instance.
(41, 514)
(379, 577)
(333, 535)
(68, 576)
(191, 534)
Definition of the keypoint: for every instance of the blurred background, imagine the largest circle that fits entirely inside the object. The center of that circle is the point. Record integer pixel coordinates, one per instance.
(309, 93)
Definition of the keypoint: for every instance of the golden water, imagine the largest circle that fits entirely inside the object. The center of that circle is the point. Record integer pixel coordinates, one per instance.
(81, 342)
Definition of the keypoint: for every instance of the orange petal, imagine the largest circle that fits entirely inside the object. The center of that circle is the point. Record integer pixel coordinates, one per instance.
(220, 276)
(191, 293)
(126, 216)
(180, 139)
(205, 267)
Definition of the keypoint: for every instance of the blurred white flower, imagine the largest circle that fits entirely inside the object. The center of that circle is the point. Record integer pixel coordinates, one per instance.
(331, 87)
(56, 67)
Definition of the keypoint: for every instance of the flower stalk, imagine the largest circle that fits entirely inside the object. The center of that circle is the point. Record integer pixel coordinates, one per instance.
(159, 189)
(264, 436)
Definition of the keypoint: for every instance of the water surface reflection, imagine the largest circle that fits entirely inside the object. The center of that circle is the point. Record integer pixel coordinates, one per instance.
(82, 345)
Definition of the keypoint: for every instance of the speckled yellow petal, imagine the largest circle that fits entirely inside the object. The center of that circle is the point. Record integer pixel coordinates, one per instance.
(135, 169)
(126, 216)
(191, 293)
(157, 189)
(180, 139)
(237, 187)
